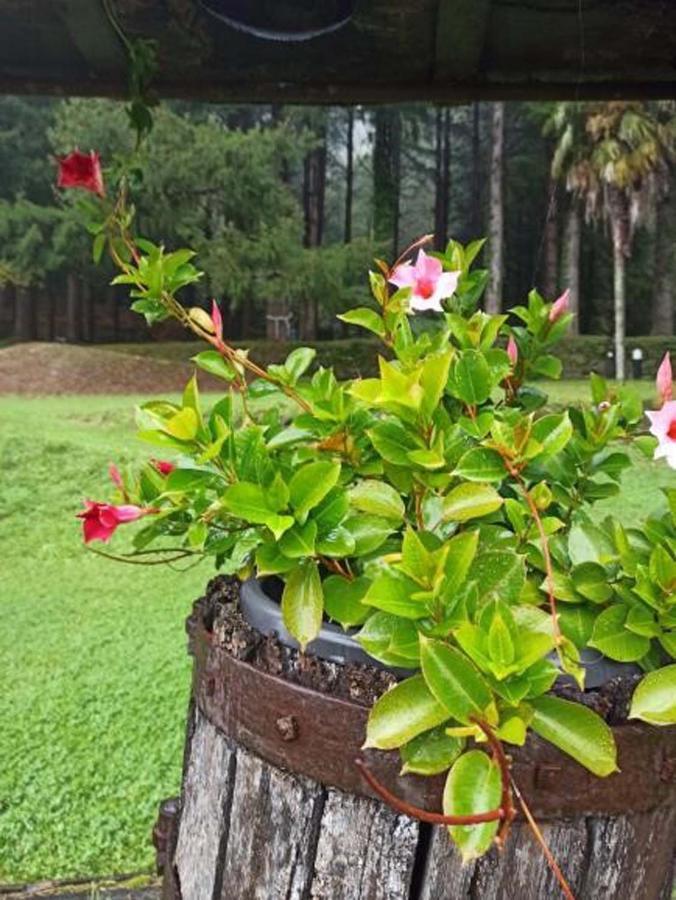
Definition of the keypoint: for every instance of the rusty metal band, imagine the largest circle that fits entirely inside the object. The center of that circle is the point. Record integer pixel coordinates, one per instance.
(319, 736)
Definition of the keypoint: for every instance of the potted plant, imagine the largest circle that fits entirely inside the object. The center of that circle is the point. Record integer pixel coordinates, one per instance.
(437, 520)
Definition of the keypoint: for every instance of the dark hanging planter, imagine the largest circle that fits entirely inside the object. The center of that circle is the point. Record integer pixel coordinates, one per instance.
(282, 20)
(272, 804)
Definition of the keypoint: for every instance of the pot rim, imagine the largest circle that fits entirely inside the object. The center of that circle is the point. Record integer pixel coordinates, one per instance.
(335, 644)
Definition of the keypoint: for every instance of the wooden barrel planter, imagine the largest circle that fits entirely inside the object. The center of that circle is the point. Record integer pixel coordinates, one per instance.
(273, 807)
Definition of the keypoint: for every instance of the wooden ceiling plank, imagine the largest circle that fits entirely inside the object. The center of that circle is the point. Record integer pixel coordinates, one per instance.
(462, 27)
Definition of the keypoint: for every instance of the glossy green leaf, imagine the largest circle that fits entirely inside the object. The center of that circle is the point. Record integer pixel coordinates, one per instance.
(342, 600)
(248, 501)
(473, 786)
(431, 752)
(299, 540)
(310, 484)
(393, 593)
(377, 499)
(470, 501)
(369, 532)
(577, 731)
(212, 362)
(454, 681)
(481, 464)
(613, 638)
(303, 602)
(471, 380)
(366, 318)
(394, 442)
(654, 699)
(406, 710)
(553, 433)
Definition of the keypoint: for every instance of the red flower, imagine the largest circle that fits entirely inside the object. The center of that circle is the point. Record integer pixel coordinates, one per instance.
(81, 170)
(162, 466)
(512, 351)
(99, 520)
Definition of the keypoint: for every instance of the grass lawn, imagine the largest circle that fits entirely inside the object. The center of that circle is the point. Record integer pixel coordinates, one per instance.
(93, 666)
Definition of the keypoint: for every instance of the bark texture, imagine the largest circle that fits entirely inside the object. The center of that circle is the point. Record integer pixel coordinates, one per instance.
(572, 261)
(252, 831)
(496, 211)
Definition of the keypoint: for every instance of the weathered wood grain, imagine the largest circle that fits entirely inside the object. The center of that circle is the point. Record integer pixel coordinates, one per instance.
(365, 851)
(274, 821)
(205, 814)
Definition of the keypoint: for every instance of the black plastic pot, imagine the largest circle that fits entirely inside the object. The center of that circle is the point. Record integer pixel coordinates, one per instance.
(282, 20)
(259, 603)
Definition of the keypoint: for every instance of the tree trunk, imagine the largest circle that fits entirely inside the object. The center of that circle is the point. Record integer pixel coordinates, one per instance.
(114, 301)
(87, 311)
(663, 295)
(349, 175)
(550, 282)
(619, 307)
(24, 313)
(442, 177)
(314, 191)
(476, 171)
(73, 310)
(572, 261)
(496, 213)
(387, 175)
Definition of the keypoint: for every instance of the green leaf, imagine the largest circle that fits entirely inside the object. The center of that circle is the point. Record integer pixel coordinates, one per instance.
(470, 501)
(454, 681)
(393, 593)
(654, 699)
(299, 541)
(379, 636)
(460, 556)
(366, 318)
(342, 600)
(431, 752)
(336, 543)
(591, 580)
(271, 561)
(248, 501)
(303, 603)
(577, 731)
(553, 433)
(402, 713)
(377, 499)
(310, 485)
(499, 574)
(612, 638)
(481, 464)
(298, 362)
(471, 379)
(369, 532)
(473, 786)
(183, 425)
(211, 361)
(394, 442)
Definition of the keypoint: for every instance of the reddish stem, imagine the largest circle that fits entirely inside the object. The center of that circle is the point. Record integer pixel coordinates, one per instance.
(415, 812)
(506, 801)
(539, 837)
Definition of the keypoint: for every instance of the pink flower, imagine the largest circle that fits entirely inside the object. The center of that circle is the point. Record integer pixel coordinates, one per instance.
(81, 170)
(664, 379)
(162, 466)
(663, 426)
(428, 282)
(99, 520)
(217, 320)
(512, 350)
(560, 306)
(115, 476)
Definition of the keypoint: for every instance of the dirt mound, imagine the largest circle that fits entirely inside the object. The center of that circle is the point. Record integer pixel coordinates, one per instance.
(45, 369)
(42, 368)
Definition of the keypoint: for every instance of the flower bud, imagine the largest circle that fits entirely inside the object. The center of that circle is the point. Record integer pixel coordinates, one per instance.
(201, 319)
(664, 379)
(560, 306)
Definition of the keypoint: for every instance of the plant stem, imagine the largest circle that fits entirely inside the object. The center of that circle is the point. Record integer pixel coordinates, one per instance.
(539, 837)
(415, 812)
(506, 801)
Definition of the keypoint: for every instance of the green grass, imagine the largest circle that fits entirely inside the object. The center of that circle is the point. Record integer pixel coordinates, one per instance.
(93, 667)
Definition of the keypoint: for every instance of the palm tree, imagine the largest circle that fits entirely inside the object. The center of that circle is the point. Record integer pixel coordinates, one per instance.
(614, 157)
